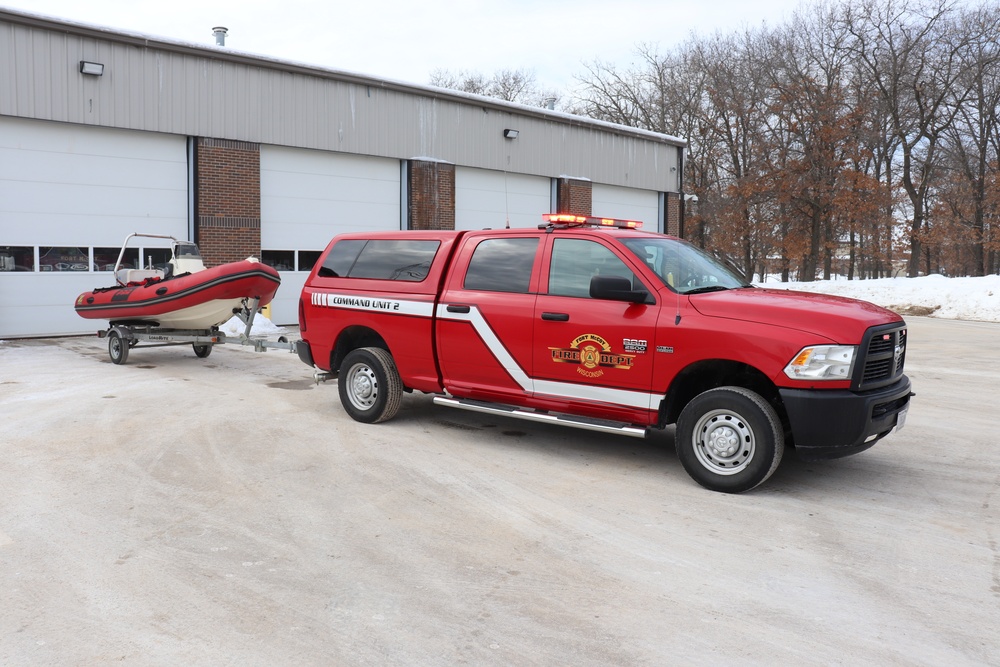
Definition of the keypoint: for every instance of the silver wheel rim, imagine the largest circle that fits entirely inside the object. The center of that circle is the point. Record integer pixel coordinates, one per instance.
(362, 386)
(723, 442)
(116, 346)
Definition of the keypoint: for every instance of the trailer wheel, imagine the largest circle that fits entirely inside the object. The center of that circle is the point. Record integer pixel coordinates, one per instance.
(202, 351)
(729, 439)
(369, 385)
(118, 346)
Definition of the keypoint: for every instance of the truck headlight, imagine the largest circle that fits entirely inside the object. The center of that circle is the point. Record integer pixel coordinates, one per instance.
(822, 362)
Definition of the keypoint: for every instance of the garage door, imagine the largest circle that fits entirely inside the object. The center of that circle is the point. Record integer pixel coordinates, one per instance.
(485, 198)
(306, 198)
(69, 194)
(613, 201)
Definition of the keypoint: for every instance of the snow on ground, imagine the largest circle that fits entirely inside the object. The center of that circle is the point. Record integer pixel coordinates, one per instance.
(934, 295)
(261, 327)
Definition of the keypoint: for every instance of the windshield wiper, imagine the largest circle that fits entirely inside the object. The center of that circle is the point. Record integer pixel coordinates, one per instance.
(707, 288)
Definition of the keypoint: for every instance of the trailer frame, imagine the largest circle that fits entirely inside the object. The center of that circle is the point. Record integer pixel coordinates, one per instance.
(124, 336)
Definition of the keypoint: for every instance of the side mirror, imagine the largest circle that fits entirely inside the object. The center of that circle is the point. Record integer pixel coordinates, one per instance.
(616, 288)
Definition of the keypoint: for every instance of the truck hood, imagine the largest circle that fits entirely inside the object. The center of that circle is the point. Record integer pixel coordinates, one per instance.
(838, 318)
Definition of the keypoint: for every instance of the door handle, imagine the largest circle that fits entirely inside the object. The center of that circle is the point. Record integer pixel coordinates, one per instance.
(458, 309)
(556, 317)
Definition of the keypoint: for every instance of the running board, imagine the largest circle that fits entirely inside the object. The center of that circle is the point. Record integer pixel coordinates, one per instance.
(544, 417)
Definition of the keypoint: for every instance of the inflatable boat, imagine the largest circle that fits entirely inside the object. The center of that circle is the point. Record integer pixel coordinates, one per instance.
(183, 294)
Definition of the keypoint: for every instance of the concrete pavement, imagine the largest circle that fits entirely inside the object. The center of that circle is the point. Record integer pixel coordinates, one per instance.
(226, 511)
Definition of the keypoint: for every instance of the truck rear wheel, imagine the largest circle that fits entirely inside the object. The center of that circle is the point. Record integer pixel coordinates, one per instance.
(369, 385)
(729, 439)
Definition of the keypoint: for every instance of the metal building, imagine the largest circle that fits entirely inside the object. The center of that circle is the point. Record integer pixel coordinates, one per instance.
(104, 133)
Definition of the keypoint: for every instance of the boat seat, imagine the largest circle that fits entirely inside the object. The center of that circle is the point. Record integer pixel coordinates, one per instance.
(127, 276)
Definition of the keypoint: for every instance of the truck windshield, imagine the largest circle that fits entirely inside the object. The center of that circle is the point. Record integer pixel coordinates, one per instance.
(683, 267)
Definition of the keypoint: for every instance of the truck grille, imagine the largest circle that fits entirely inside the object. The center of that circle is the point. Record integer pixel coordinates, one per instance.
(883, 353)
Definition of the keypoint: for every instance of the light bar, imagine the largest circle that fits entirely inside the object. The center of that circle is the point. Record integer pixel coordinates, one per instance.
(570, 219)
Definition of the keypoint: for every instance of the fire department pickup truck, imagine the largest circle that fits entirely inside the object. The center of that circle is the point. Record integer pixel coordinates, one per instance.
(590, 323)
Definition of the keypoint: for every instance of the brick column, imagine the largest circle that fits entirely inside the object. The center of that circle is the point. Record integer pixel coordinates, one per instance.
(431, 190)
(672, 224)
(574, 196)
(228, 200)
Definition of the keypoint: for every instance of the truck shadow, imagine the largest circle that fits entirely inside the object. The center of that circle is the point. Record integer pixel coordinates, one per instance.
(656, 451)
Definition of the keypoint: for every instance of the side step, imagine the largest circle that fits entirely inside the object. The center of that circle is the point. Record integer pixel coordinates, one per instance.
(599, 425)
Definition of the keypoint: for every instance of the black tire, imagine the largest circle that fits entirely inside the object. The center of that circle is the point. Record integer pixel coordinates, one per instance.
(118, 346)
(369, 385)
(202, 351)
(729, 439)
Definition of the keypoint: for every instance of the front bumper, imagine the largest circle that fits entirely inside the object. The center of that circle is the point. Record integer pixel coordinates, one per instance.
(829, 424)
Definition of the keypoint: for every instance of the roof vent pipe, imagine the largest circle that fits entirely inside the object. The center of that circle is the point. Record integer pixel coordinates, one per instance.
(550, 103)
(220, 35)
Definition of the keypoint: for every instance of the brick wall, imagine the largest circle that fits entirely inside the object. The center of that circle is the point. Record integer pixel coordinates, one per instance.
(227, 191)
(574, 196)
(431, 189)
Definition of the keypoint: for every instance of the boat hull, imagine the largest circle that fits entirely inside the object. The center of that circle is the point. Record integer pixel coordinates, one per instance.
(199, 300)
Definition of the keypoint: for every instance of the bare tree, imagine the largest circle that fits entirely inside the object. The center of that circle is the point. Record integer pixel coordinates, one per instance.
(971, 150)
(510, 85)
(912, 55)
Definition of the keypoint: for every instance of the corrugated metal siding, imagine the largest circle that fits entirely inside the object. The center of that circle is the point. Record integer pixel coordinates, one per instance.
(182, 89)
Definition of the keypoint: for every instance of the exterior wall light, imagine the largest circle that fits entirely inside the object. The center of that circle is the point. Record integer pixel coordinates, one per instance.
(94, 69)
(510, 134)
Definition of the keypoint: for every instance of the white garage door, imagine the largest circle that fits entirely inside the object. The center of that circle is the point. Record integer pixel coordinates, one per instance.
(307, 197)
(68, 195)
(612, 201)
(485, 199)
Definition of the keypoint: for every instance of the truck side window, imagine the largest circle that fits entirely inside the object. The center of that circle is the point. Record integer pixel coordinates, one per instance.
(340, 259)
(502, 265)
(387, 259)
(576, 261)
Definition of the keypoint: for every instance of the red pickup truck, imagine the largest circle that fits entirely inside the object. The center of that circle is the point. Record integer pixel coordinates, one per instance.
(590, 323)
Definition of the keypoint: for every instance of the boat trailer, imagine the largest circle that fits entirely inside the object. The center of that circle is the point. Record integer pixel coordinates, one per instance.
(124, 336)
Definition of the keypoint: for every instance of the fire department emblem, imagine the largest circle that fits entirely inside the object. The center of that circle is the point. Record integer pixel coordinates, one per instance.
(591, 354)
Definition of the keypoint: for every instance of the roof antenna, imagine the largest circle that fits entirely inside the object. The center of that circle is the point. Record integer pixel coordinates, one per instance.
(677, 291)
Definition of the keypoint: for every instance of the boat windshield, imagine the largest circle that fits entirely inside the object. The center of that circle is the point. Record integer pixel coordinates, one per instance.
(190, 250)
(683, 267)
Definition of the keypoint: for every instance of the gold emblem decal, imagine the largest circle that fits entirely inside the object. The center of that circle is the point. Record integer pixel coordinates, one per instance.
(592, 354)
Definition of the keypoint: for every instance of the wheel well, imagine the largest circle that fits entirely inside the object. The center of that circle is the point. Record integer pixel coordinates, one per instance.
(712, 373)
(352, 338)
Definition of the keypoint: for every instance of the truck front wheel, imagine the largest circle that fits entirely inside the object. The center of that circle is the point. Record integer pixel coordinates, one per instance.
(369, 385)
(729, 439)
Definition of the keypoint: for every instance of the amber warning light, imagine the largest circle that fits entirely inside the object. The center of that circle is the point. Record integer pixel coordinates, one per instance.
(570, 219)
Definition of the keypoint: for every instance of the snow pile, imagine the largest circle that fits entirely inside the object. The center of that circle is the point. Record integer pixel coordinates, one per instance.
(934, 295)
(261, 327)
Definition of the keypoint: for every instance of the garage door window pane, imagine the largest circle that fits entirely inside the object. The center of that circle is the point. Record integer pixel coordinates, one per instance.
(308, 259)
(105, 258)
(17, 258)
(281, 260)
(156, 257)
(55, 258)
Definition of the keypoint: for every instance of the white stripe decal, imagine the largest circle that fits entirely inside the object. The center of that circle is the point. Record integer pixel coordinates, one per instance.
(372, 303)
(632, 399)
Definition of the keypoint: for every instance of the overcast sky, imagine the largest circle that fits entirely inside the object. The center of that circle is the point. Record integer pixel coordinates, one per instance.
(406, 41)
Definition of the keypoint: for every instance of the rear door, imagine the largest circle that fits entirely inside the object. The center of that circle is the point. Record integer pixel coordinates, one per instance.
(484, 318)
